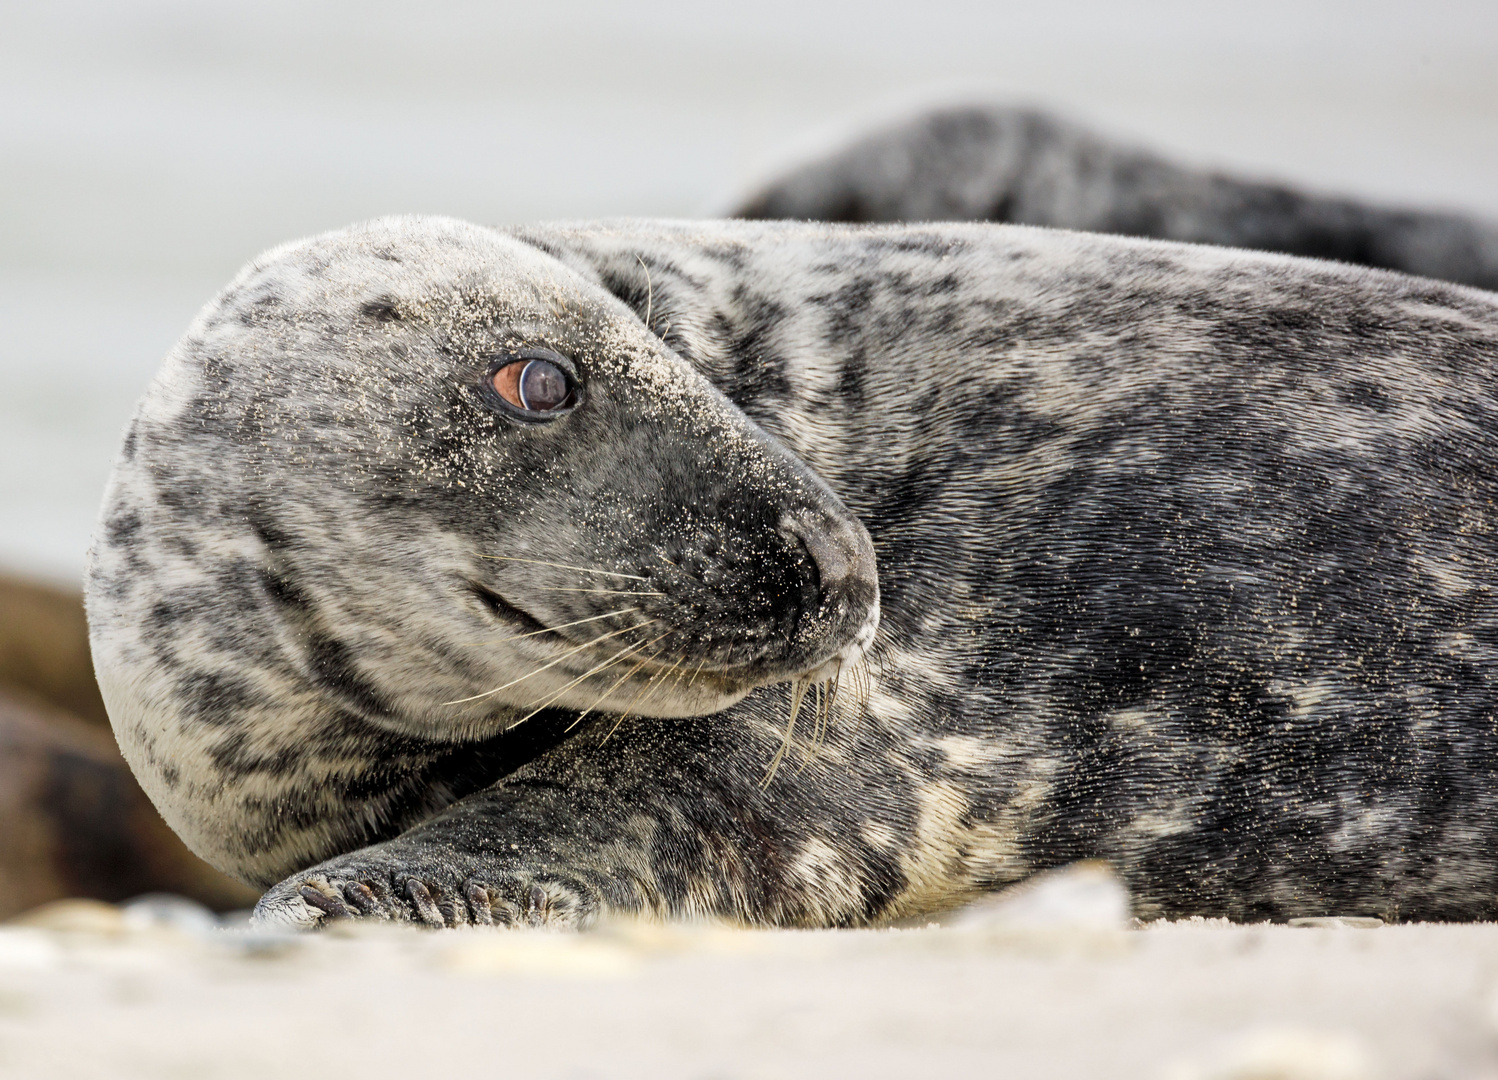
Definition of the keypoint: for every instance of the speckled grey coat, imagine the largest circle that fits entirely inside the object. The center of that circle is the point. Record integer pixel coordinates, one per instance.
(1186, 560)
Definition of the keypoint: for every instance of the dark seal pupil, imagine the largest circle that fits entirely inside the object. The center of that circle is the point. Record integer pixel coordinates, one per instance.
(543, 386)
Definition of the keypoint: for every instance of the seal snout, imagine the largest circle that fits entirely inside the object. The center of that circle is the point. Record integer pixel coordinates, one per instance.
(842, 622)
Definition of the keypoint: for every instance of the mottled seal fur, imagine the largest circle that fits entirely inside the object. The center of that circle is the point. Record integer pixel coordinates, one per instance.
(1000, 163)
(1185, 561)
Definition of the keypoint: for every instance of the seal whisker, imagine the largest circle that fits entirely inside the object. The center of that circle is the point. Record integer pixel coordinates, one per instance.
(798, 695)
(800, 688)
(551, 629)
(682, 676)
(622, 679)
(821, 718)
(638, 695)
(649, 293)
(663, 676)
(544, 667)
(561, 566)
(685, 678)
(619, 682)
(818, 718)
(785, 745)
(666, 676)
(834, 686)
(655, 684)
(614, 592)
(610, 662)
(860, 677)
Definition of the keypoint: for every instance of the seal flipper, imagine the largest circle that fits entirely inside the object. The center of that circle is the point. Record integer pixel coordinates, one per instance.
(424, 891)
(660, 818)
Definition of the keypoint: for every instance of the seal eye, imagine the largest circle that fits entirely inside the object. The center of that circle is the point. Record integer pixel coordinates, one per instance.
(534, 386)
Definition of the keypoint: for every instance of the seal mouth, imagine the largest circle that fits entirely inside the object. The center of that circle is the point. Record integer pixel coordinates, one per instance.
(847, 657)
(508, 613)
(687, 667)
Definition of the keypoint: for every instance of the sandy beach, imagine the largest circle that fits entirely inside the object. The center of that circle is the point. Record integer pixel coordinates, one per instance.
(93, 992)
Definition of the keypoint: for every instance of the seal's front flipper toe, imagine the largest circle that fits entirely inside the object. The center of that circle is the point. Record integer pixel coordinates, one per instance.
(425, 904)
(404, 886)
(287, 907)
(520, 899)
(325, 899)
(365, 900)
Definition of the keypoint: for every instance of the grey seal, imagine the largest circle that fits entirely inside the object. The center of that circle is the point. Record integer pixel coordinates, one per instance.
(463, 575)
(988, 162)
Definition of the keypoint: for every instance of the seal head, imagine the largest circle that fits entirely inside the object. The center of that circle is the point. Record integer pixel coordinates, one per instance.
(421, 479)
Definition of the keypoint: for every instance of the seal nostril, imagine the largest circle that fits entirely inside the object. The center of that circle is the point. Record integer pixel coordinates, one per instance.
(842, 584)
(834, 547)
(810, 588)
(833, 563)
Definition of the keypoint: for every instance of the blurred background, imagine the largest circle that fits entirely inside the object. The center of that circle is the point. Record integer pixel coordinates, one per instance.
(147, 149)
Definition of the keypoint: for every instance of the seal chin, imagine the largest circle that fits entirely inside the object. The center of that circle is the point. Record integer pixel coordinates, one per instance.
(831, 669)
(851, 653)
(863, 637)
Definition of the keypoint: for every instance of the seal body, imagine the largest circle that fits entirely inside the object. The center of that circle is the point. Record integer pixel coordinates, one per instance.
(998, 163)
(1186, 560)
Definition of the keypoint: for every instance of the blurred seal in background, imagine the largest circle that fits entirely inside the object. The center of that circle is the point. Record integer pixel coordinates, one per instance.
(999, 163)
(73, 821)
